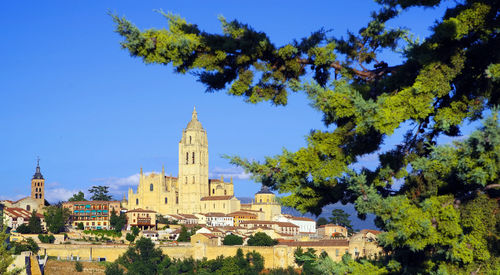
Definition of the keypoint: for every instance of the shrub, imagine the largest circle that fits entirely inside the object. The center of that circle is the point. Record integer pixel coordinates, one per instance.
(80, 226)
(46, 238)
(23, 229)
(78, 266)
(130, 237)
(233, 240)
(261, 239)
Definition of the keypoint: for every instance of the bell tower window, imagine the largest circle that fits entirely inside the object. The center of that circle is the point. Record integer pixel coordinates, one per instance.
(166, 200)
(137, 201)
(151, 187)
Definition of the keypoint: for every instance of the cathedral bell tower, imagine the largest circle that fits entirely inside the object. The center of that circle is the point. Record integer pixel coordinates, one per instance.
(38, 185)
(193, 166)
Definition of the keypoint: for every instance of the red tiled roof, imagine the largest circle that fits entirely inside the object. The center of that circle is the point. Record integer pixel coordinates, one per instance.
(16, 212)
(215, 214)
(375, 232)
(242, 213)
(216, 198)
(210, 236)
(21, 199)
(188, 216)
(301, 219)
(89, 202)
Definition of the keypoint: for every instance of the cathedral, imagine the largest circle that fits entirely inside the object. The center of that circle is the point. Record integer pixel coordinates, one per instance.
(192, 191)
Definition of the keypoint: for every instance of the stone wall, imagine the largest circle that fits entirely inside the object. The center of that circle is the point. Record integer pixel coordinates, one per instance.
(275, 257)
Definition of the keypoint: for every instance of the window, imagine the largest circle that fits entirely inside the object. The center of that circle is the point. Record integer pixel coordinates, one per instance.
(151, 187)
(28, 207)
(166, 200)
(189, 139)
(213, 191)
(193, 157)
(187, 157)
(137, 201)
(193, 179)
(177, 200)
(225, 192)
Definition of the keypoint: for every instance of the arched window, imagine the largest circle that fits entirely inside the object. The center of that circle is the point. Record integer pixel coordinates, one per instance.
(189, 139)
(193, 157)
(213, 191)
(137, 201)
(225, 192)
(187, 157)
(151, 187)
(28, 207)
(166, 200)
(177, 202)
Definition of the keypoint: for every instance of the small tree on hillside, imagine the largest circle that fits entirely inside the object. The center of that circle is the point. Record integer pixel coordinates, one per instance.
(261, 239)
(100, 193)
(233, 240)
(56, 218)
(184, 236)
(34, 224)
(340, 217)
(117, 222)
(80, 196)
(321, 221)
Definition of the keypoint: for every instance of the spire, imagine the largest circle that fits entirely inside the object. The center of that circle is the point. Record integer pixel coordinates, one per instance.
(38, 174)
(194, 123)
(163, 170)
(141, 171)
(194, 116)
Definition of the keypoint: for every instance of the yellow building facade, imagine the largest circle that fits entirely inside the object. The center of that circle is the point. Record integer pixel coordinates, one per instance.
(192, 191)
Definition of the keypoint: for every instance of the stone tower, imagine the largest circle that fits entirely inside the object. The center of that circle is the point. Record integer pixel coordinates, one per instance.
(38, 185)
(265, 201)
(193, 166)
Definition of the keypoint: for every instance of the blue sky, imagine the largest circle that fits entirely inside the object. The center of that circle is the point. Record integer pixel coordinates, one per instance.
(94, 115)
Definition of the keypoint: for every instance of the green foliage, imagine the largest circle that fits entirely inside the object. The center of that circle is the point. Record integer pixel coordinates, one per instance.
(261, 239)
(144, 258)
(130, 237)
(135, 231)
(46, 238)
(114, 269)
(99, 193)
(80, 196)
(56, 218)
(442, 216)
(34, 224)
(233, 240)
(340, 217)
(104, 232)
(6, 258)
(28, 245)
(78, 266)
(321, 221)
(80, 226)
(23, 229)
(184, 235)
(118, 222)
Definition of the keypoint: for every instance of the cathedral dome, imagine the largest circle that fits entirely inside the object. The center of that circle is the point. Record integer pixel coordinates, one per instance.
(194, 123)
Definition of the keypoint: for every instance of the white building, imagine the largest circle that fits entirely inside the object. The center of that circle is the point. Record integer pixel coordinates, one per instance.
(219, 219)
(306, 225)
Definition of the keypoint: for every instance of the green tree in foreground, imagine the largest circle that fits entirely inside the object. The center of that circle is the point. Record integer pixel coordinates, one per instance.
(233, 240)
(118, 222)
(6, 258)
(35, 224)
(80, 196)
(80, 226)
(144, 258)
(340, 217)
(56, 218)
(184, 235)
(100, 193)
(23, 229)
(438, 218)
(261, 239)
(130, 237)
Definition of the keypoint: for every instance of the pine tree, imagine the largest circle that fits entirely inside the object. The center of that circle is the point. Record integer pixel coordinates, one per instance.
(443, 215)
